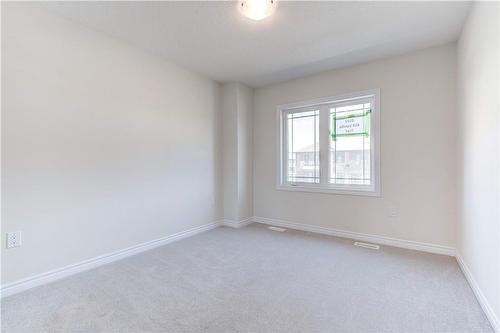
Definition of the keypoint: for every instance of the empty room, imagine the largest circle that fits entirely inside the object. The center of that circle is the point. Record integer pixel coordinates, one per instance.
(250, 166)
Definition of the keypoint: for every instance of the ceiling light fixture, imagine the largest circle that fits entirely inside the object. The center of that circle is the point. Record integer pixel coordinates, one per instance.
(257, 9)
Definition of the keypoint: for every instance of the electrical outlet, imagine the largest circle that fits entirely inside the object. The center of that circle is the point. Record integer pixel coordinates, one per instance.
(13, 239)
(393, 211)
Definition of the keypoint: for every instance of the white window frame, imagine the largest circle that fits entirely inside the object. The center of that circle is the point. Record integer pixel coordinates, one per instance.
(324, 141)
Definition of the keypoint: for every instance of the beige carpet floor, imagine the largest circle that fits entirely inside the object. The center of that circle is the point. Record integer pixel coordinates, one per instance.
(256, 280)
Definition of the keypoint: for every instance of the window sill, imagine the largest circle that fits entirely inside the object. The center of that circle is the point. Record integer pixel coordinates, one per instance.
(329, 190)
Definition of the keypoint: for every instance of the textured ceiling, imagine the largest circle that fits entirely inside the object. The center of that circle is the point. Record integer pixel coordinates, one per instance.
(302, 38)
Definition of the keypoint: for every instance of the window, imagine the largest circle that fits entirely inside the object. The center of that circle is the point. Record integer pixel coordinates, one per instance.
(302, 146)
(330, 145)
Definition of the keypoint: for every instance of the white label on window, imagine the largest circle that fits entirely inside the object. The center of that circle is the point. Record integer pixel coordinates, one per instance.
(354, 125)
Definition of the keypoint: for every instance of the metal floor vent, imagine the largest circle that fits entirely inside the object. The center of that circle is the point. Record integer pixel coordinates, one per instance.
(276, 229)
(367, 245)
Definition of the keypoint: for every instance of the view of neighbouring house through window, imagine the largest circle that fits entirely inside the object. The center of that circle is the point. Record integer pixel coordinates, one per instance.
(303, 146)
(329, 144)
(350, 148)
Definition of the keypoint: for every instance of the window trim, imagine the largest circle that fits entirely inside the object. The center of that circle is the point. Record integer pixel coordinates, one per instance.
(323, 187)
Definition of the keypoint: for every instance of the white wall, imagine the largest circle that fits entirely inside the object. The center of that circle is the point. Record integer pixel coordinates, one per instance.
(104, 146)
(237, 151)
(230, 150)
(245, 152)
(96, 156)
(418, 149)
(478, 239)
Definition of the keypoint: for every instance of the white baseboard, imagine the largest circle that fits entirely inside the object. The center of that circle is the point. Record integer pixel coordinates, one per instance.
(237, 224)
(488, 310)
(50, 276)
(412, 245)
(56, 274)
(382, 240)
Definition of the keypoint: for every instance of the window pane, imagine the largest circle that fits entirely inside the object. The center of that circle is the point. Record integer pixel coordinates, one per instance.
(350, 144)
(303, 147)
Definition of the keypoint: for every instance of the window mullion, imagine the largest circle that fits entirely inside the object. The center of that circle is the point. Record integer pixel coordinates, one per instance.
(286, 133)
(324, 157)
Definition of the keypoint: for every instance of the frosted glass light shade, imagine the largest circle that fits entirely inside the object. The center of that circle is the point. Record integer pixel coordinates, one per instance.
(257, 9)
